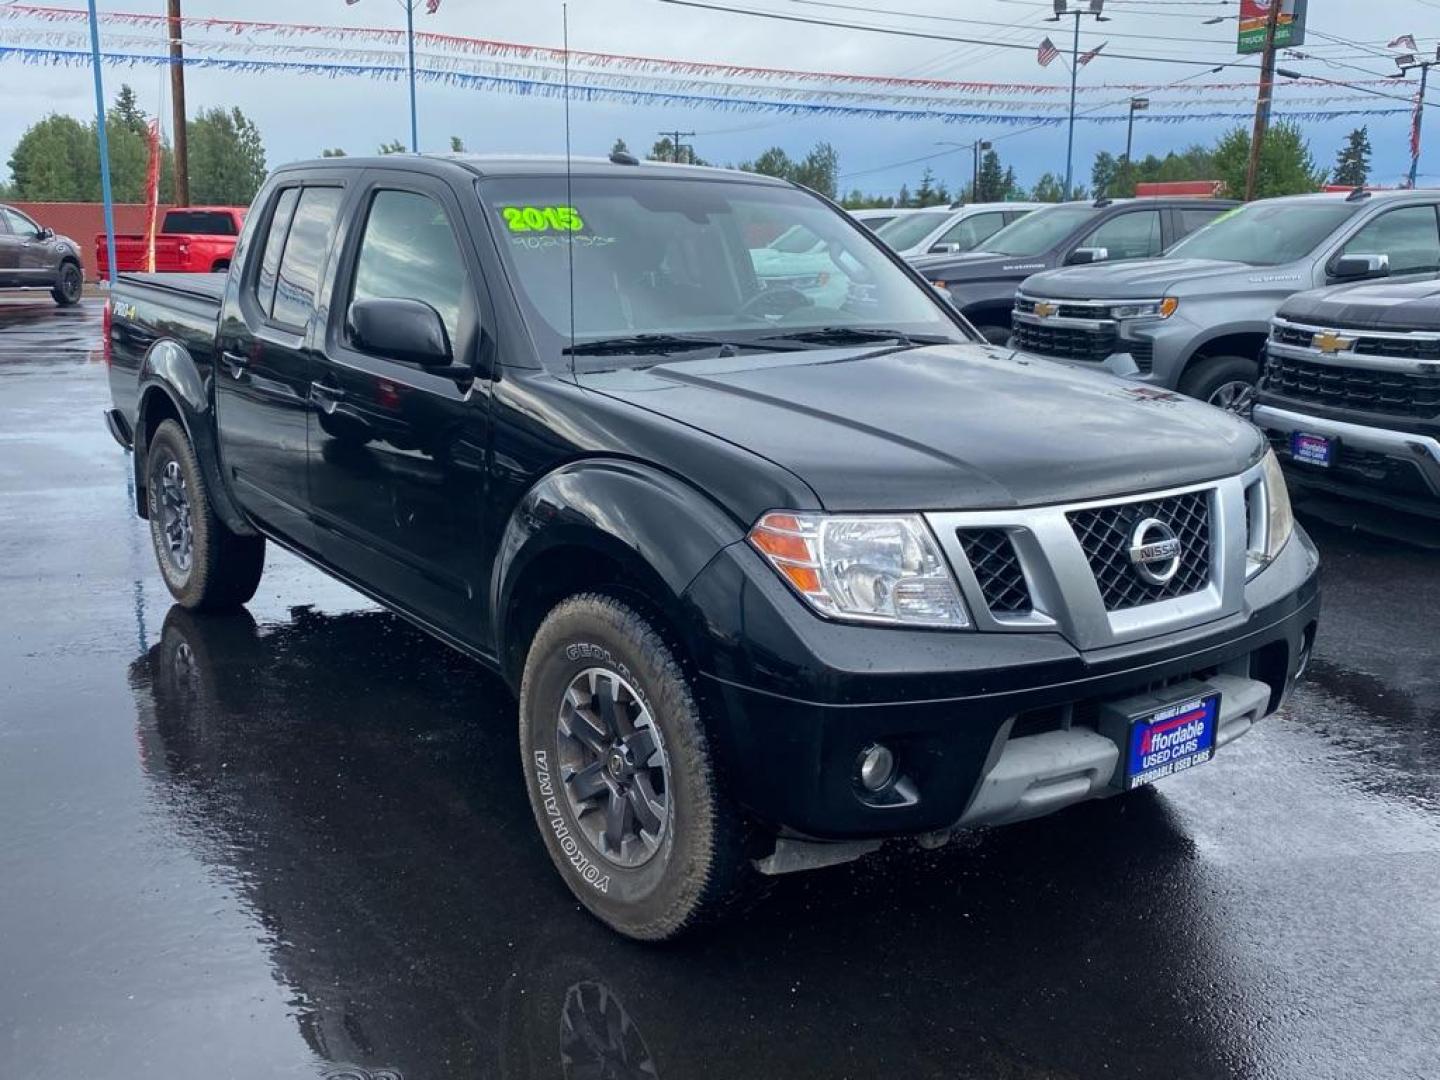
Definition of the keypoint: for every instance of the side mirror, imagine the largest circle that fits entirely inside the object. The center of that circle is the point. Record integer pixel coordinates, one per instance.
(1355, 267)
(945, 249)
(46, 233)
(1085, 255)
(410, 331)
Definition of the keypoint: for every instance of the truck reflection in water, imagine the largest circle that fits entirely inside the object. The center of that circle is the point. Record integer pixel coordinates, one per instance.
(354, 782)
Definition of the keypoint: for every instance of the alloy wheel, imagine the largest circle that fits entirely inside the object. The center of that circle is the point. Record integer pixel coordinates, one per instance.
(1236, 396)
(70, 282)
(614, 767)
(172, 502)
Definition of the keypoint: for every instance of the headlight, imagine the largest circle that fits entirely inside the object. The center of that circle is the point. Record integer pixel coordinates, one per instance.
(863, 568)
(1152, 309)
(1272, 521)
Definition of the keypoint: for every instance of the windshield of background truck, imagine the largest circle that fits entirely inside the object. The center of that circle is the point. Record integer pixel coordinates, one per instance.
(1037, 233)
(907, 230)
(1265, 233)
(666, 256)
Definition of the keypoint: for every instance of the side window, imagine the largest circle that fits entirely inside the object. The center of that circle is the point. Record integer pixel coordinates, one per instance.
(305, 247)
(1134, 235)
(274, 247)
(1188, 219)
(20, 225)
(1410, 237)
(409, 252)
(970, 231)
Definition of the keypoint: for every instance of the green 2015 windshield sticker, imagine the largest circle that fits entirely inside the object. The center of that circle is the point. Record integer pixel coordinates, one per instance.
(542, 218)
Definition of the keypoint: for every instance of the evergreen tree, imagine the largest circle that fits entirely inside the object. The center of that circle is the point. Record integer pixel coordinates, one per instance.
(992, 180)
(1048, 188)
(457, 144)
(332, 151)
(126, 113)
(819, 171)
(1286, 167)
(1104, 172)
(227, 158)
(1352, 165)
(394, 146)
(619, 147)
(903, 200)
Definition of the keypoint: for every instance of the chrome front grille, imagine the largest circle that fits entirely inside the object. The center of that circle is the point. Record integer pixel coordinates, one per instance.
(1393, 393)
(1106, 536)
(1066, 569)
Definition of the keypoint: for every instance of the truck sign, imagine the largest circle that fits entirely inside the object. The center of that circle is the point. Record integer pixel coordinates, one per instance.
(1289, 29)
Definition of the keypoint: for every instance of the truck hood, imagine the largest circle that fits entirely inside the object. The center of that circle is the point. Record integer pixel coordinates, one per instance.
(1145, 279)
(1383, 305)
(943, 427)
(978, 266)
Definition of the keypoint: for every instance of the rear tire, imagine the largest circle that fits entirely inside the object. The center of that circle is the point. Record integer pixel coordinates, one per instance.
(1227, 382)
(206, 567)
(995, 335)
(221, 267)
(69, 285)
(688, 866)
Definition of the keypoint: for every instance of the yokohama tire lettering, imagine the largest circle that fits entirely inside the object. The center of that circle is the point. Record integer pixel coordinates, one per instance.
(568, 844)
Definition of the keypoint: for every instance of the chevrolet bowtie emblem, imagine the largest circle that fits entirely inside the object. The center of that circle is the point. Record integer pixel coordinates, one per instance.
(1043, 310)
(1331, 342)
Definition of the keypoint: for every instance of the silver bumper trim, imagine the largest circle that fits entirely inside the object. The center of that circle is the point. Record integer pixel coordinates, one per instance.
(1039, 774)
(1423, 450)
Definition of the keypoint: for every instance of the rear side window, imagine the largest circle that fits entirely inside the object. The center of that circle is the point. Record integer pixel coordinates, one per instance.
(311, 230)
(199, 223)
(274, 248)
(409, 251)
(1409, 236)
(1190, 218)
(1135, 235)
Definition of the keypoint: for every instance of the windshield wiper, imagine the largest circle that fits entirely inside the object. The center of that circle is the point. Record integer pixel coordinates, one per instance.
(636, 344)
(845, 335)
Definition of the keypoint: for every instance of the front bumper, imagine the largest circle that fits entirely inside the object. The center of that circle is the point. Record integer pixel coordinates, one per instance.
(1378, 464)
(794, 699)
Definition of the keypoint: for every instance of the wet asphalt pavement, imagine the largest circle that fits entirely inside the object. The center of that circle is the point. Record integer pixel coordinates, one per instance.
(294, 842)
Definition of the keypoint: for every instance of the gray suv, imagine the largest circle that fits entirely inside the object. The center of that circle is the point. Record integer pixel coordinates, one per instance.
(33, 257)
(1197, 319)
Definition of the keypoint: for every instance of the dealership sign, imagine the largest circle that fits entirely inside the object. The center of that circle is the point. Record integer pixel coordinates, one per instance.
(1289, 29)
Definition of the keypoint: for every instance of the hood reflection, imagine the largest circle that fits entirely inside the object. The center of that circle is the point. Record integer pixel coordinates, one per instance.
(358, 784)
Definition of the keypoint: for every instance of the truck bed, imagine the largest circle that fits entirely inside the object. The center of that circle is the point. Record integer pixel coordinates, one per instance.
(206, 288)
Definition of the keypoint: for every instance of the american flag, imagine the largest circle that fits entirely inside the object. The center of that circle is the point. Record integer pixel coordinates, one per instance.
(431, 6)
(1047, 53)
(1085, 57)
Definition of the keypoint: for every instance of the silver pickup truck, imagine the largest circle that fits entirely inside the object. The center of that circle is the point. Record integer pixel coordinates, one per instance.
(1197, 319)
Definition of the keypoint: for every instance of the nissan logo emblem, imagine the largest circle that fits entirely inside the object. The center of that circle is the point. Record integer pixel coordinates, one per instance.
(1155, 552)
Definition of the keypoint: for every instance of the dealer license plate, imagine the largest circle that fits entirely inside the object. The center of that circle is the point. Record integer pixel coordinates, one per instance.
(1312, 449)
(1172, 739)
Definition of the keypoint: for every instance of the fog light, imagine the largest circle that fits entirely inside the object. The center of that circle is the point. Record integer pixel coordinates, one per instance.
(877, 767)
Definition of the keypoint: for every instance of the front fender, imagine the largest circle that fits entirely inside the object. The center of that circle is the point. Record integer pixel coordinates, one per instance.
(169, 374)
(649, 521)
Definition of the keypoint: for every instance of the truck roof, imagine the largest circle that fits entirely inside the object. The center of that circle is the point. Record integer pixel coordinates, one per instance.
(528, 165)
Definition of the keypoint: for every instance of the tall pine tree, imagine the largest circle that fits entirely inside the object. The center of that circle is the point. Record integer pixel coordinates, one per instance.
(1352, 165)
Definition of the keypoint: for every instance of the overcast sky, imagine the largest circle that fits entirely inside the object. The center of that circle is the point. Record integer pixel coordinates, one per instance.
(299, 115)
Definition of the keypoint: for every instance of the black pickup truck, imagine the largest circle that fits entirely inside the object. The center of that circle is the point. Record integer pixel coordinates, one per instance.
(776, 574)
(1350, 392)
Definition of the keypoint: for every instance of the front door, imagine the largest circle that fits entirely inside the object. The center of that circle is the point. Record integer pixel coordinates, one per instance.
(265, 363)
(9, 250)
(398, 454)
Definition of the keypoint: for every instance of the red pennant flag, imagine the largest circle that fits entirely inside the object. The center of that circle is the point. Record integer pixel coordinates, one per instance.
(152, 193)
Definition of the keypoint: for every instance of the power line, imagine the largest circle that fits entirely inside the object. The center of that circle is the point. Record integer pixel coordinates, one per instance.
(896, 31)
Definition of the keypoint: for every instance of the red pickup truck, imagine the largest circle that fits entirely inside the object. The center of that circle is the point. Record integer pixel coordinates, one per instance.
(191, 240)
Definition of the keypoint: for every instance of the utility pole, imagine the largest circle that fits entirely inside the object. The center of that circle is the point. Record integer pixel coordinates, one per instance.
(1062, 8)
(1407, 64)
(177, 105)
(1262, 101)
(410, 48)
(675, 144)
(1137, 104)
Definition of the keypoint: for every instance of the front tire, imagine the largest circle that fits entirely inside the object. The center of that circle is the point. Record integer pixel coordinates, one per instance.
(206, 567)
(69, 285)
(1227, 382)
(995, 335)
(620, 774)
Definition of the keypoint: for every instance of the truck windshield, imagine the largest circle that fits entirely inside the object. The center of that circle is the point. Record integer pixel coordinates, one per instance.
(1037, 233)
(907, 230)
(664, 266)
(1265, 233)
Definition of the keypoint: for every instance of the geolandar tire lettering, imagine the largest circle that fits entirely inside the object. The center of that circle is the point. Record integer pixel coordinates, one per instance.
(618, 769)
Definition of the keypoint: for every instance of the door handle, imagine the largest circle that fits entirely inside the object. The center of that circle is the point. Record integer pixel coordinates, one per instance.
(235, 364)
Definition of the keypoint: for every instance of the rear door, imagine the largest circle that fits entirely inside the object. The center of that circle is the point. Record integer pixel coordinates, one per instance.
(266, 359)
(398, 454)
(969, 233)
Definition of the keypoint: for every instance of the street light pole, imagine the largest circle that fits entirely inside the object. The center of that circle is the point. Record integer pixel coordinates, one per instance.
(410, 46)
(105, 193)
(1407, 64)
(1062, 8)
(1137, 104)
